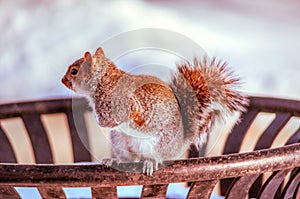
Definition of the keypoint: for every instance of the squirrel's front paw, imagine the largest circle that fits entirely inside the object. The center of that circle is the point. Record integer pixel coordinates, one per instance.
(109, 161)
(149, 166)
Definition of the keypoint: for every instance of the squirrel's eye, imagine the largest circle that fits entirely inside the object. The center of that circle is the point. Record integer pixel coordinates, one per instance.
(74, 71)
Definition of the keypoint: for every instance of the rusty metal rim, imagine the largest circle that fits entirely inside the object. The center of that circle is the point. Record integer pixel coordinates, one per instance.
(197, 169)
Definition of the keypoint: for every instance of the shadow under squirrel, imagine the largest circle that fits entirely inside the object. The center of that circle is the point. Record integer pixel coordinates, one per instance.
(152, 120)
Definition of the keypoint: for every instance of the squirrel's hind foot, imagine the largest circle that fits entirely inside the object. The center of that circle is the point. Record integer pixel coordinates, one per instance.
(108, 162)
(149, 166)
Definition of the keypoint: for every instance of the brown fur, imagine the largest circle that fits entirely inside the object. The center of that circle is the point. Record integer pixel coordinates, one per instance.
(150, 119)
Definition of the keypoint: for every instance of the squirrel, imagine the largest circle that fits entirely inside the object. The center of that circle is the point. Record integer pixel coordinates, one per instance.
(151, 120)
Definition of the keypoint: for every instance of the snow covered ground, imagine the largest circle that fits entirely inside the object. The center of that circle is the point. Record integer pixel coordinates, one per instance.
(39, 39)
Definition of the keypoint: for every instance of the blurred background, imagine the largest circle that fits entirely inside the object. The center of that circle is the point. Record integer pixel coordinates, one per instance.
(40, 38)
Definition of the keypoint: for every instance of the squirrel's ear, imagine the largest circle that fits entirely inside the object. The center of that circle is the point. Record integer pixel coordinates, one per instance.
(88, 57)
(88, 63)
(99, 51)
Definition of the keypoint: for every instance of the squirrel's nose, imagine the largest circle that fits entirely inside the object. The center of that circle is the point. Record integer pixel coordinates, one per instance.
(66, 82)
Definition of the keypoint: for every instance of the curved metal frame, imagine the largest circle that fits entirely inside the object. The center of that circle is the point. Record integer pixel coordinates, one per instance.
(204, 173)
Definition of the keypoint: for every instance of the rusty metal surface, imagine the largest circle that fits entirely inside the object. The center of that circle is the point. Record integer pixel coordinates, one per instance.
(240, 186)
(293, 186)
(272, 185)
(202, 189)
(104, 192)
(8, 192)
(154, 191)
(52, 192)
(198, 169)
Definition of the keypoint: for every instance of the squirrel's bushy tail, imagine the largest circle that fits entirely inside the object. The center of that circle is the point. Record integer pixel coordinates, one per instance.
(206, 92)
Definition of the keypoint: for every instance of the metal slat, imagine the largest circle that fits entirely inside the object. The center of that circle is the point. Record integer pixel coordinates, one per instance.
(235, 138)
(38, 137)
(291, 188)
(52, 192)
(8, 192)
(104, 192)
(79, 136)
(272, 185)
(267, 138)
(294, 138)
(7, 154)
(155, 191)
(240, 187)
(202, 189)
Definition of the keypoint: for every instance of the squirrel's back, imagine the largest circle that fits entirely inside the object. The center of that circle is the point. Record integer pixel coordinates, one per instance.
(206, 92)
